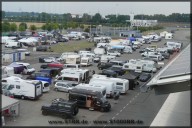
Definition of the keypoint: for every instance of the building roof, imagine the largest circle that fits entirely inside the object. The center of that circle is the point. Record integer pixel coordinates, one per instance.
(175, 111)
(7, 102)
(177, 69)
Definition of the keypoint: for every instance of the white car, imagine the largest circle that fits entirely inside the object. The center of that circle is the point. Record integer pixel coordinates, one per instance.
(113, 53)
(63, 86)
(49, 59)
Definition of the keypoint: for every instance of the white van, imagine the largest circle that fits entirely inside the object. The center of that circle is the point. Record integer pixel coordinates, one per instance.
(13, 44)
(46, 86)
(31, 89)
(74, 78)
(110, 86)
(27, 68)
(85, 61)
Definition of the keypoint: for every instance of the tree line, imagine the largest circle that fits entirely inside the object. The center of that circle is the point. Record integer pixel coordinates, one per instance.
(86, 18)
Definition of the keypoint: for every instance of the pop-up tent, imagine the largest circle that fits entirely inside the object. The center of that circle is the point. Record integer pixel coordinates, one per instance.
(18, 69)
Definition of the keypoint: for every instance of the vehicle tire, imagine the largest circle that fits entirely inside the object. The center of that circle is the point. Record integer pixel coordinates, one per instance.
(100, 68)
(102, 109)
(76, 110)
(44, 113)
(64, 116)
(22, 97)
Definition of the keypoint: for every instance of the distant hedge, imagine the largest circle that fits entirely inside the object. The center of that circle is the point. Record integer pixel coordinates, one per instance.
(143, 29)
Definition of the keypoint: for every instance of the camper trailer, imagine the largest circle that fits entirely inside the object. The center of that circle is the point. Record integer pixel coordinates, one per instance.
(86, 61)
(24, 89)
(121, 85)
(110, 86)
(135, 67)
(93, 87)
(73, 59)
(99, 51)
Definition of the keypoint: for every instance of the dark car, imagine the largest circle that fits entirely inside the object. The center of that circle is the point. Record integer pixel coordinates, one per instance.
(41, 48)
(166, 55)
(61, 107)
(109, 73)
(144, 77)
(38, 74)
(102, 66)
(118, 70)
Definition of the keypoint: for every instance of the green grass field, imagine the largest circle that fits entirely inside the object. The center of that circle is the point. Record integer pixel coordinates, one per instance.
(71, 46)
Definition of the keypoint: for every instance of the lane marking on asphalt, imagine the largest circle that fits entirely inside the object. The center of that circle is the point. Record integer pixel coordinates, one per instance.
(117, 114)
(124, 107)
(104, 126)
(113, 118)
(120, 110)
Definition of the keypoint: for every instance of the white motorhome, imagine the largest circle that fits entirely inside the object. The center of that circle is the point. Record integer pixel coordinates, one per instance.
(85, 73)
(93, 87)
(121, 85)
(13, 44)
(86, 61)
(73, 59)
(99, 51)
(174, 45)
(27, 67)
(148, 65)
(31, 89)
(110, 86)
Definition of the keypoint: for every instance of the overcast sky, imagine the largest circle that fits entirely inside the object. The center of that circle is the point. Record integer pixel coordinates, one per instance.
(104, 8)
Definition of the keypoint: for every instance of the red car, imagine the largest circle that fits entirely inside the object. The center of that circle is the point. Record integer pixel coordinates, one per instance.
(55, 65)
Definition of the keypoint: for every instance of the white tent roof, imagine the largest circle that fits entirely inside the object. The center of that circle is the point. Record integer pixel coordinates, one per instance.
(7, 102)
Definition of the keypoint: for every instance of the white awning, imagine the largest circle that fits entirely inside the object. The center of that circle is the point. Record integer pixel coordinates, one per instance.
(8, 102)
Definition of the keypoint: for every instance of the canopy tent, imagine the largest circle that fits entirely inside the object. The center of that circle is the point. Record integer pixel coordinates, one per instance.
(8, 102)
(17, 68)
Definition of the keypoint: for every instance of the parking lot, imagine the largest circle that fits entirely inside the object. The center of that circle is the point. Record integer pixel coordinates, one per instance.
(135, 105)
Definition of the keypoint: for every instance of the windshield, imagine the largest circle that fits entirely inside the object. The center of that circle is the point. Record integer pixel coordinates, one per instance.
(4, 86)
(29, 67)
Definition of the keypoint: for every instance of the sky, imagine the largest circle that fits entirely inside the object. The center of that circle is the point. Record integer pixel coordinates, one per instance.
(104, 8)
